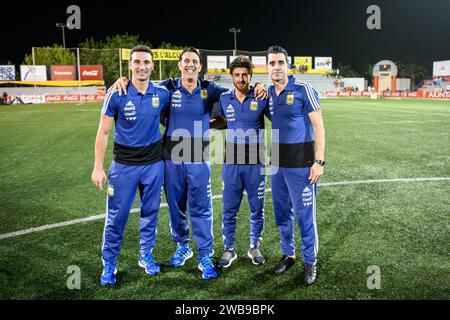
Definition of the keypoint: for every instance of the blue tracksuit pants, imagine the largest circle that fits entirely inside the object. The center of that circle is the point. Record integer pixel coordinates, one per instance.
(188, 185)
(122, 185)
(293, 195)
(235, 179)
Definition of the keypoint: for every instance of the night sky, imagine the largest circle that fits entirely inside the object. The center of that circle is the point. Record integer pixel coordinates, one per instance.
(413, 31)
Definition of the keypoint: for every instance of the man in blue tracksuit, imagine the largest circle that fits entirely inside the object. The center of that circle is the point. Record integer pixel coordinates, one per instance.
(244, 166)
(297, 160)
(186, 159)
(137, 163)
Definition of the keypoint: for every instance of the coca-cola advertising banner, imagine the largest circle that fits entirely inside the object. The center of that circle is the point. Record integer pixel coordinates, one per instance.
(75, 98)
(91, 72)
(62, 72)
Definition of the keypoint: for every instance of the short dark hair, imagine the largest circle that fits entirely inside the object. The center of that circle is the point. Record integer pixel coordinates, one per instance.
(141, 48)
(277, 49)
(241, 62)
(191, 49)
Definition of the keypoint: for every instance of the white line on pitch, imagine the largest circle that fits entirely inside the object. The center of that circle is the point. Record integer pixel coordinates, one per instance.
(164, 205)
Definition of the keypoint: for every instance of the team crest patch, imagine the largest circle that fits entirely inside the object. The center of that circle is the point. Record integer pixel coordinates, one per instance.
(155, 102)
(111, 191)
(253, 105)
(204, 94)
(290, 99)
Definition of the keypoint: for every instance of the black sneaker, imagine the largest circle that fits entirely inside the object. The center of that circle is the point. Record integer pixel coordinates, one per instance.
(256, 256)
(227, 258)
(309, 275)
(284, 264)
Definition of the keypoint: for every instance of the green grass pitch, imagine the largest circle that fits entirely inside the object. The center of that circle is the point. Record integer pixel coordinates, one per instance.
(402, 227)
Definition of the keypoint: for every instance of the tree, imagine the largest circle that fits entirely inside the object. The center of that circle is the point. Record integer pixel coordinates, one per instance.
(106, 53)
(56, 55)
(415, 72)
(346, 71)
(103, 52)
(401, 66)
(368, 73)
(169, 68)
(368, 70)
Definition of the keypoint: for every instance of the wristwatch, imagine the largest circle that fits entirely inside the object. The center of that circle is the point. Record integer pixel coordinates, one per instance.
(321, 162)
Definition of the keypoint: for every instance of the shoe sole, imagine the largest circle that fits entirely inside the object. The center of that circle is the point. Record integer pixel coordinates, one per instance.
(142, 266)
(229, 263)
(203, 277)
(182, 264)
(283, 271)
(309, 284)
(256, 264)
(277, 272)
(104, 284)
(109, 282)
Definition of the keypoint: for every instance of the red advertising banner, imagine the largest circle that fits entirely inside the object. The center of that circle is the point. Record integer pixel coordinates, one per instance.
(75, 98)
(405, 94)
(89, 72)
(62, 98)
(437, 95)
(93, 97)
(62, 72)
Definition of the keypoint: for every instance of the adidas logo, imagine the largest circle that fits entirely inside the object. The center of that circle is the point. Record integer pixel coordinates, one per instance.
(129, 104)
(176, 94)
(262, 186)
(230, 108)
(306, 193)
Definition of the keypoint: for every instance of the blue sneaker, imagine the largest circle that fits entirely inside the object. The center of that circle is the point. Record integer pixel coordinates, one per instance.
(205, 264)
(108, 274)
(181, 255)
(147, 262)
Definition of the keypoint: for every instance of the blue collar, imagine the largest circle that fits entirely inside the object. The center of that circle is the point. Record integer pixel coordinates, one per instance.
(134, 92)
(250, 95)
(180, 85)
(289, 87)
(291, 84)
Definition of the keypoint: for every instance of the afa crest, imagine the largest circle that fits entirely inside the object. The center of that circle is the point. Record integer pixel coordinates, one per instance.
(155, 102)
(290, 99)
(253, 105)
(204, 94)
